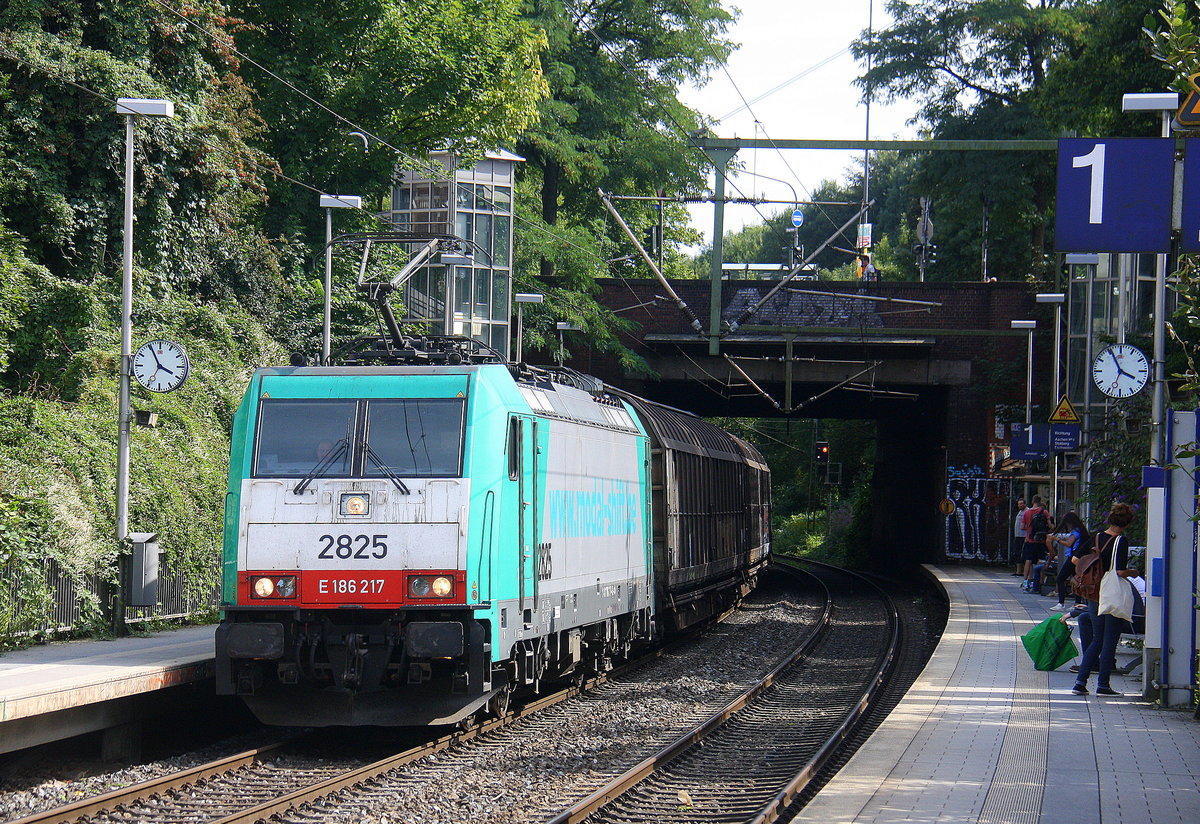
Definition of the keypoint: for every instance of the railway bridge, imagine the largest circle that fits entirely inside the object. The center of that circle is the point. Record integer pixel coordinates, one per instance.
(927, 361)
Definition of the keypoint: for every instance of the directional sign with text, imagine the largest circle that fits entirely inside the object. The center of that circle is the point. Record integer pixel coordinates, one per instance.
(1064, 437)
(1114, 195)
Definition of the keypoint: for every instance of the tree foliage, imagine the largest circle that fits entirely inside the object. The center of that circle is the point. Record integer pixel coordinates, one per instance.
(613, 118)
(418, 74)
(1005, 69)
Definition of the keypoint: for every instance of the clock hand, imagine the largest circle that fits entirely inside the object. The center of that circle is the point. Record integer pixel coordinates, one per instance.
(1117, 363)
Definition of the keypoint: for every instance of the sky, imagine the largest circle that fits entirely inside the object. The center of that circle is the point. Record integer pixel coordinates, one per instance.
(779, 40)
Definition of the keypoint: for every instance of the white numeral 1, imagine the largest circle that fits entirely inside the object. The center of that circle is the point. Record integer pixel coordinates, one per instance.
(1094, 159)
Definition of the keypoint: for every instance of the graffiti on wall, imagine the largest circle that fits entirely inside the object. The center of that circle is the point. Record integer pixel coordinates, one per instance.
(978, 527)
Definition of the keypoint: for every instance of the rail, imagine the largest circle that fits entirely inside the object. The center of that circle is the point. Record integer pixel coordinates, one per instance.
(687, 770)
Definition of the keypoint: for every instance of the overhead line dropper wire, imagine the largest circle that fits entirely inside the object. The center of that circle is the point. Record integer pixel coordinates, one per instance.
(430, 169)
(779, 152)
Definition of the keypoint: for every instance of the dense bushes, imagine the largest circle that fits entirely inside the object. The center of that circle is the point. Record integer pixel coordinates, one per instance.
(58, 438)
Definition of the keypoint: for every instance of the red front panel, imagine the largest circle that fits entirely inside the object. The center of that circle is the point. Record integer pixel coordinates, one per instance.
(329, 586)
(322, 587)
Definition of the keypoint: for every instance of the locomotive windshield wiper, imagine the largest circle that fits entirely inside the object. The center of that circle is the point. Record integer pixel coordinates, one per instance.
(387, 470)
(339, 449)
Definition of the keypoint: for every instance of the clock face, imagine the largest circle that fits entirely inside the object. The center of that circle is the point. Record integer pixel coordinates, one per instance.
(161, 365)
(1120, 370)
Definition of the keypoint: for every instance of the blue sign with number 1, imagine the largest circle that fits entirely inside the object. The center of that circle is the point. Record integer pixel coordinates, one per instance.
(1189, 238)
(1114, 195)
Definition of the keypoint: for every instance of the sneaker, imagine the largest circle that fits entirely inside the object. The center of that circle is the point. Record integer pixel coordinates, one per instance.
(1106, 691)
(1056, 608)
(1074, 668)
(1080, 689)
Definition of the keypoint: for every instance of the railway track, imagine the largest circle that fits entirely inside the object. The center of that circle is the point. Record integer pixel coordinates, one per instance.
(751, 761)
(730, 712)
(258, 783)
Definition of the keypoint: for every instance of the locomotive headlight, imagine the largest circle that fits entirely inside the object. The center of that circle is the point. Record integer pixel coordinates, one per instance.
(355, 503)
(282, 586)
(431, 586)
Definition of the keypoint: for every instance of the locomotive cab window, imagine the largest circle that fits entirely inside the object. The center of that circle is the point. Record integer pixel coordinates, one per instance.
(296, 436)
(324, 438)
(414, 438)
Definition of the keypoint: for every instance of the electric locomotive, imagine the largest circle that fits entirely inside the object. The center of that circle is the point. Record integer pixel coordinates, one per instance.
(408, 544)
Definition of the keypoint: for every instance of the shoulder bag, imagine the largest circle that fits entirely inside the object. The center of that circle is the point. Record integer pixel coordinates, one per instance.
(1116, 599)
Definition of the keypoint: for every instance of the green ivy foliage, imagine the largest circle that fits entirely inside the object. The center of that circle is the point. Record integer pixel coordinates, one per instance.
(58, 450)
(27, 601)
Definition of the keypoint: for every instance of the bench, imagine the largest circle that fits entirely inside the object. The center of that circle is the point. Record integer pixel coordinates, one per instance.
(1129, 652)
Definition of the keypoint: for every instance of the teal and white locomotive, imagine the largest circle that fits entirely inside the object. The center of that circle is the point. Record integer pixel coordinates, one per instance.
(408, 544)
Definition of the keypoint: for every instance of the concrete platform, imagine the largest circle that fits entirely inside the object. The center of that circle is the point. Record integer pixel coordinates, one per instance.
(984, 737)
(56, 691)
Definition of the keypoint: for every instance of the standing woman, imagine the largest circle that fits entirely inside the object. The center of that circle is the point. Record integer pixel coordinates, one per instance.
(1106, 629)
(1072, 535)
(1018, 538)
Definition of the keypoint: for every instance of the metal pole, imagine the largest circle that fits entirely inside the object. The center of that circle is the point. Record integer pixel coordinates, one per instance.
(520, 328)
(126, 342)
(1029, 381)
(662, 226)
(328, 287)
(1158, 404)
(1028, 398)
(720, 160)
(1054, 392)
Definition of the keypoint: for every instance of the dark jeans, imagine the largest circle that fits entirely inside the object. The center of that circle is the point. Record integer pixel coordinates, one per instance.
(1063, 581)
(1099, 635)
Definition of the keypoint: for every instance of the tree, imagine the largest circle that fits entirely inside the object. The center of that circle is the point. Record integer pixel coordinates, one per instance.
(61, 145)
(419, 74)
(613, 118)
(1005, 69)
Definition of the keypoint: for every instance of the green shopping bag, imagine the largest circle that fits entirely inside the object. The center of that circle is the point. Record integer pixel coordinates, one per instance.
(1049, 644)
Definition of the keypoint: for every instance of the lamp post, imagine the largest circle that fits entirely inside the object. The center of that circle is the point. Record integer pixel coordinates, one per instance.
(522, 298)
(1030, 326)
(1058, 299)
(566, 326)
(1166, 103)
(329, 203)
(131, 107)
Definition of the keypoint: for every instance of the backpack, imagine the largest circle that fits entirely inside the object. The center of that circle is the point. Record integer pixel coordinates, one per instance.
(1088, 573)
(1039, 526)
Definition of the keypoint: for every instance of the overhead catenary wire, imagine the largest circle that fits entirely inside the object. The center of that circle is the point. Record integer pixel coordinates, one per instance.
(759, 124)
(784, 84)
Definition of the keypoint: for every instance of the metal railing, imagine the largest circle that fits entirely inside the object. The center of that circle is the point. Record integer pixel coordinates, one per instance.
(76, 601)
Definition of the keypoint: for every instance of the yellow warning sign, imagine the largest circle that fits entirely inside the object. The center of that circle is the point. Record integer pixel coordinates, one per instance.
(1064, 412)
(1188, 115)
